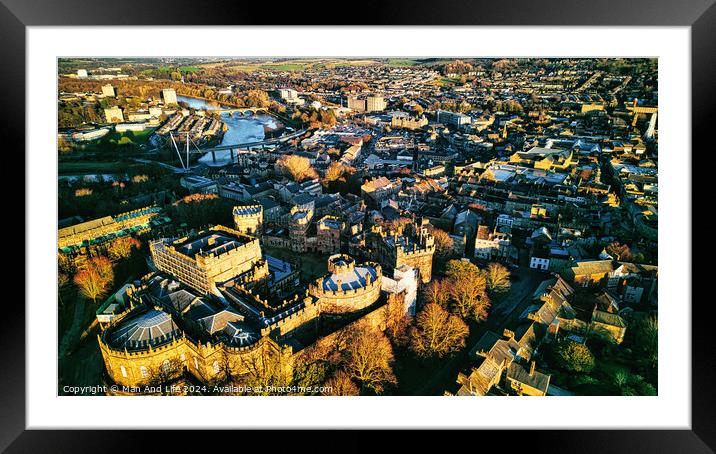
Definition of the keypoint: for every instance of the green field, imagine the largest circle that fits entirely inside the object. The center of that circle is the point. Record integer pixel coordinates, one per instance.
(402, 62)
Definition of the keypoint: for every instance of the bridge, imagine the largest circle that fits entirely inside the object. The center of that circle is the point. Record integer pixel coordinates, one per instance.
(188, 151)
(241, 110)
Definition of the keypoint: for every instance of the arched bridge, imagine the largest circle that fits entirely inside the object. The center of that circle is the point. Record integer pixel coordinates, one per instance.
(241, 110)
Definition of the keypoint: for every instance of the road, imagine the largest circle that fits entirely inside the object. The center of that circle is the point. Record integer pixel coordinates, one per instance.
(505, 310)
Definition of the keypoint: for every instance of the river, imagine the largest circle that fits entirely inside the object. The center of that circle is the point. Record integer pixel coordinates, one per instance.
(241, 129)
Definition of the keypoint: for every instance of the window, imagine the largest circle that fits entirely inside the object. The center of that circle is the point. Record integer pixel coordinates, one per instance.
(196, 364)
(143, 370)
(182, 357)
(166, 366)
(216, 367)
(124, 371)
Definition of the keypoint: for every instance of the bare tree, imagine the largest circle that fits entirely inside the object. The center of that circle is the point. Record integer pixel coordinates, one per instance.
(298, 167)
(368, 358)
(396, 320)
(164, 374)
(444, 243)
(340, 384)
(467, 288)
(95, 278)
(437, 333)
(265, 370)
(498, 278)
(122, 247)
(437, 292)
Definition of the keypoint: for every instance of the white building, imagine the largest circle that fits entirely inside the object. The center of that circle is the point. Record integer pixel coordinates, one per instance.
(539, 263)
(81, 73)
(113, 115)
(169, 95)
(453, 118)
(108, 91)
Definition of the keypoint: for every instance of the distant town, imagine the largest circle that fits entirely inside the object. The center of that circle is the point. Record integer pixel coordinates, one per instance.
(374, 226)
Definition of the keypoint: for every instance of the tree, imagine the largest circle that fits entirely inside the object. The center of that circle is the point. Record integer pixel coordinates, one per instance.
(437, 333)
(94, 279)
(298, 167)
(199, 210)
(165, 373)
(257, 98)
(368, 358)
(573, 356)
(443, 243)
(307, 373)
(498, 278)
(619, 251)
(621, 377)
(467, 289)
(334, 172)
(340, 384)
(122, 247)
(396, 320)
(436, 292)
(647, 337)
(64, 145)
(265, 370)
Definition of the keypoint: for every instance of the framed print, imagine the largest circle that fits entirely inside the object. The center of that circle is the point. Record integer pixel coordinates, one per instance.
(415, 223)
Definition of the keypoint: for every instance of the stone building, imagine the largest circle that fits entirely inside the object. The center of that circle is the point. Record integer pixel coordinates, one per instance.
(411, 245)
(299, 222)
(105, 227)
(248, 219)
(210, 257)
(328, 234)
(408, 122)
(145, 345)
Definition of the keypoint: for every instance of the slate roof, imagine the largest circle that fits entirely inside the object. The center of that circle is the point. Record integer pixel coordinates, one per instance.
(150, 328)
(537, 380)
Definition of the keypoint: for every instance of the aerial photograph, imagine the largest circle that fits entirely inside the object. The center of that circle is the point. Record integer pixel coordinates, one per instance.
(357, 226)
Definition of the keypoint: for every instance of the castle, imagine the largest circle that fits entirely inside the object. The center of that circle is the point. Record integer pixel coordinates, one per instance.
(209, 313)
(411, 245)
(248, 219)
(213, 256)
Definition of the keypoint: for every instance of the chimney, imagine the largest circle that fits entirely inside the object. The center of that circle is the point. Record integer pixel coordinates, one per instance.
(532, 369)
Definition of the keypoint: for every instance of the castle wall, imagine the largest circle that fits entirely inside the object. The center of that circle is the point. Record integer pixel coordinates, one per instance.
(350, 300)
(206, 362)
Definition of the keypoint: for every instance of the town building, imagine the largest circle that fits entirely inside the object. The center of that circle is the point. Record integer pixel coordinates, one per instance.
(367, 103)
(506, 361)
(329, 230)
(169, 95)
(197, 183)
(408, 122)
(113, 115)
(453, 118)
(108, 91)
(105, 228)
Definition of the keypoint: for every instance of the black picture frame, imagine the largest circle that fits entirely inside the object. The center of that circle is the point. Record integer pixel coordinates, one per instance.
(700, 15)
